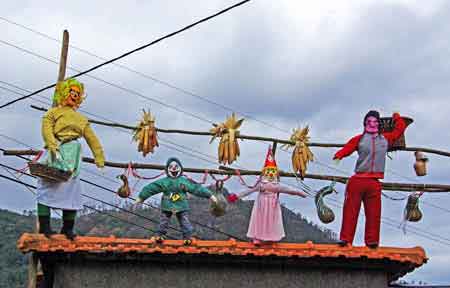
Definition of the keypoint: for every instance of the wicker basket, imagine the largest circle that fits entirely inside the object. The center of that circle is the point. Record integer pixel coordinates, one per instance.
(387, 125)
(48, 173)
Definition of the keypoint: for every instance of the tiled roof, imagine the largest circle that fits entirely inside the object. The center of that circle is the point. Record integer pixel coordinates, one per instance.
(414, 257)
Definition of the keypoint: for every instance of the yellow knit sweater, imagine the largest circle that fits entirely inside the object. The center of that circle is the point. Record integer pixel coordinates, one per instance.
(63, 124)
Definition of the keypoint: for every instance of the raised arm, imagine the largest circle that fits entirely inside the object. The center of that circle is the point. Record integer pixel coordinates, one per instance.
(399, 129)
(349, 148)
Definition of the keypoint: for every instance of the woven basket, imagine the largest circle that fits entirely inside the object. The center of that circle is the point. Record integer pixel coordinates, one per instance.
(387, 125)
(48, 173)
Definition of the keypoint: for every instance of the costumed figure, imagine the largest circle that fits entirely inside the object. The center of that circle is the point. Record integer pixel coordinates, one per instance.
(364, 186)
(62, 126)
(174, 199)
(266, 221)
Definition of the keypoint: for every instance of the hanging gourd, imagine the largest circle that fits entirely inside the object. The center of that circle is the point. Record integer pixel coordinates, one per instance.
(146, 134)
(124, 191)
(228, 146)
(218, 208)
(326, 215)
(301, 154)
(412, 212)
(421, 163)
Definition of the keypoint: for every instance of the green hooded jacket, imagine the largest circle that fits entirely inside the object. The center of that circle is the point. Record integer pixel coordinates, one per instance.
(174, 198)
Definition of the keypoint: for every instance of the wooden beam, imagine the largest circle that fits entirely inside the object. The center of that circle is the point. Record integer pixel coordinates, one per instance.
(406, 187)
(248, 137)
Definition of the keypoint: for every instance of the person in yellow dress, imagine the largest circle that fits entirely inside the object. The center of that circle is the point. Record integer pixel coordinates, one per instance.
(62, 126)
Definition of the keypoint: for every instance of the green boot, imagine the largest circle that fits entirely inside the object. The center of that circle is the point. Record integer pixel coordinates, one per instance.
(67, 229)
(44, 226)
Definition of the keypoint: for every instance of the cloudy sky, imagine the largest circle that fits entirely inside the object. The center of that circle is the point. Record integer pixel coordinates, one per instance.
(286, 63)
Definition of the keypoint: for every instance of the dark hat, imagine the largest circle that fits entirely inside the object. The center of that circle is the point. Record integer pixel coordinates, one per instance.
(371, 113)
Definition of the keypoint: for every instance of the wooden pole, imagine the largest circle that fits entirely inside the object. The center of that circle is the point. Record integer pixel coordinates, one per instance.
(230, 171)
(63, 58)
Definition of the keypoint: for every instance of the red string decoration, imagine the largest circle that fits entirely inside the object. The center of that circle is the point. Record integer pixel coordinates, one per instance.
(223, 179)
(238, 173)
(201, 182)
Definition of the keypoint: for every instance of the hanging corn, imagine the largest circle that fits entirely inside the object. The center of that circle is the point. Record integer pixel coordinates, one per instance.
(301, 154)
(145, 134)
(326, 215)
(228, 146)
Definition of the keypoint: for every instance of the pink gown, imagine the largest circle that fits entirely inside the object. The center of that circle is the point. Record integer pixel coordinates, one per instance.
(266, 222)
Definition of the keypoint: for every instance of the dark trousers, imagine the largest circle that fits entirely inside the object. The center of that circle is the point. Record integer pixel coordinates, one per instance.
(367, 191)
(183, 221)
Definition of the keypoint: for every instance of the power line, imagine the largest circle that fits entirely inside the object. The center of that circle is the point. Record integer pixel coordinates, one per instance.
(426, 203)
(304, 185)
(120, 130)
(133, 51)
(28, 186)
(384, 219)
(152, 78)
(122, 88)
(151, 206)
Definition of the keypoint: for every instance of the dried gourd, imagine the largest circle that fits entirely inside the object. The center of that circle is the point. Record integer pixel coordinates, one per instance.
(326, 215)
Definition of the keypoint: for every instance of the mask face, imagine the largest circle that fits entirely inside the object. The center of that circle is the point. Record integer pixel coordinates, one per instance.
(371, 125)
(271, 173)
(173, 169)
(74, 98)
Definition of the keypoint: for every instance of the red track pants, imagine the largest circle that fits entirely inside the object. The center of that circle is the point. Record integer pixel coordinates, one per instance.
(367, 190)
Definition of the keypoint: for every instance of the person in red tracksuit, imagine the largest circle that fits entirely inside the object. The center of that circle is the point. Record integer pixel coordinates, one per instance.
(364, 185)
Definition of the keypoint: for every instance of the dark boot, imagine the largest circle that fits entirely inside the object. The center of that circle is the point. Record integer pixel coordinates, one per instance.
(67, 229)
(44, 226)
(342, 243)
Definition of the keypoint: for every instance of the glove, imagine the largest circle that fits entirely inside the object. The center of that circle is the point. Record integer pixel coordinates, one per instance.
(232, 198)
(139, 200)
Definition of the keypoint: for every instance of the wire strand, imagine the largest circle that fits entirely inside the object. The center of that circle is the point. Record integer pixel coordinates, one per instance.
(132, 51)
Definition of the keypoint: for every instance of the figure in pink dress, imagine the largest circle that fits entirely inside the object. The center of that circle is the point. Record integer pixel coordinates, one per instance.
(266, 222)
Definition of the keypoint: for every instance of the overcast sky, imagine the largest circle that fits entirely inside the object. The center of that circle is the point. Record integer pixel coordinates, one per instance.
(288, 63)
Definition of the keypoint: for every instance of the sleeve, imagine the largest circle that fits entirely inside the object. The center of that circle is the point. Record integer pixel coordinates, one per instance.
(247, 192)
(152, 189)
(290, 191)
(48, 124)
(349, 148)
(94, 145)
(197, 190)
(399, 129)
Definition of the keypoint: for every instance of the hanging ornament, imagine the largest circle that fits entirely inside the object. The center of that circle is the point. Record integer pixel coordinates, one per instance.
(218, 208)
(421, 163)
(412, 212)
(326, 215)
(228, 145)
(301, 155)
(124, 191)
(146, 134)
